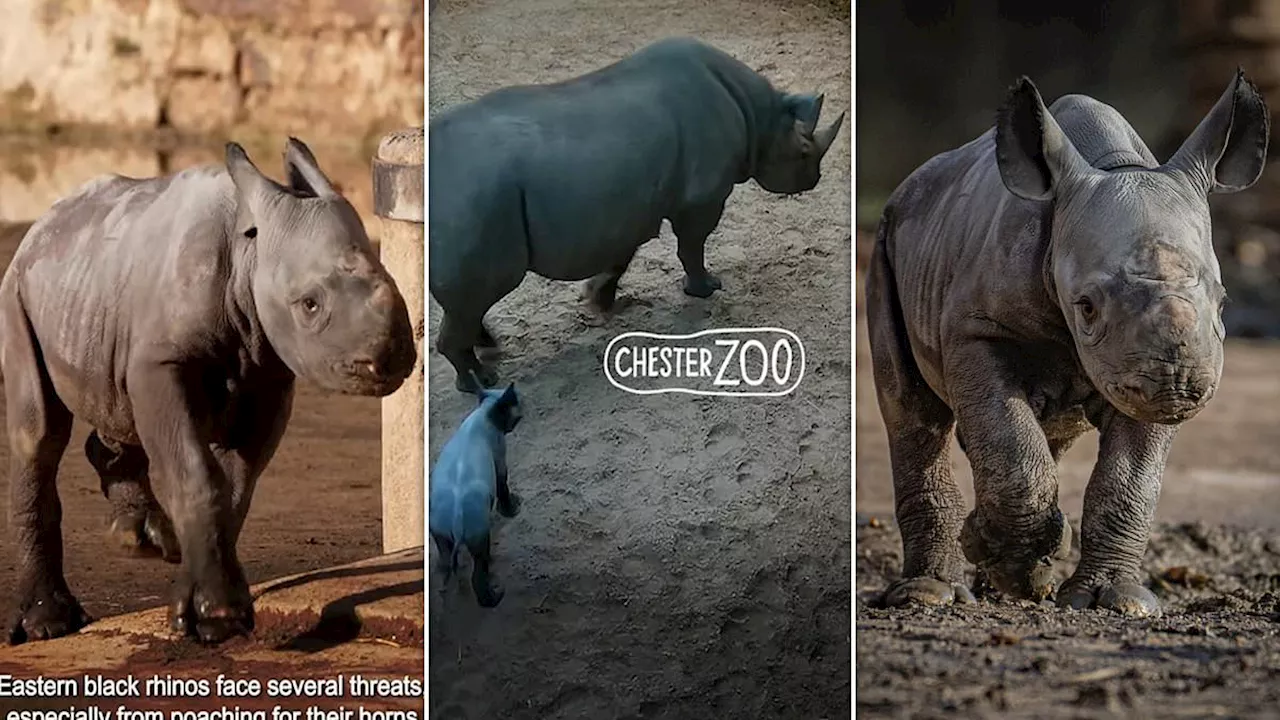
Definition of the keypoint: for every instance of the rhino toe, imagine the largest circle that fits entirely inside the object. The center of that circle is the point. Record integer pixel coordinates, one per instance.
(47, 616)
(1126, 597)
(702, 286)
(147, 534)
(926, 591)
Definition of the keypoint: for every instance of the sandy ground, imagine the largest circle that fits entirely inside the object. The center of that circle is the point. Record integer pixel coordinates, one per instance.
(1215, 560)
(317, 505)
(675, 557)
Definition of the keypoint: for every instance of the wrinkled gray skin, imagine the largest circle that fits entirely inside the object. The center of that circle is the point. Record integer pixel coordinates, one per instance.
(568, 180)
(1048, 277)
(468, 482)
(173, 315)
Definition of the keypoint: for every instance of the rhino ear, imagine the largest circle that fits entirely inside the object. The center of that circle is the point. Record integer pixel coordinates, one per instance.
(806, 109)
(304, 172)
(253, 189)
(1034, 156)
(1228, 149)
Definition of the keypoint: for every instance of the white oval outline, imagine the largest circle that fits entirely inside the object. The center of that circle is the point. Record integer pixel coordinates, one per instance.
(705, 393)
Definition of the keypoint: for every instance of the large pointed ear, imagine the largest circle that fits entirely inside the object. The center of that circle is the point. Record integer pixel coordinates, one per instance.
(1034, 156)
(1228, 149)
(806, 109)
(508, 398)
(253, 189)
(304, 172)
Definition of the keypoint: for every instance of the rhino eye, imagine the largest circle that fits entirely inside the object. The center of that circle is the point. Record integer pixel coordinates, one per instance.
(310, 305)
(1088, 312)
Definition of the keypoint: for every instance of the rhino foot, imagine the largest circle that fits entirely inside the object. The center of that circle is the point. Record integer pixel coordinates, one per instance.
(511, 507)
(926, 591)
(701, 286)
(1019, 566)
(1126, 597)
(47, 615)
(467, 382)
(211, 610)
(148, 534)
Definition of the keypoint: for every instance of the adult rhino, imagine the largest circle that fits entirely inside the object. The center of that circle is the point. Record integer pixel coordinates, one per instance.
(569, 179)
(173, 315)
(1046, 278)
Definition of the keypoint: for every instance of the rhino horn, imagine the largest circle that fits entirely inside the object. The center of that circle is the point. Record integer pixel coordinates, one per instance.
(1228, 149)
(253, 189)
(304, 172)
(827, 135)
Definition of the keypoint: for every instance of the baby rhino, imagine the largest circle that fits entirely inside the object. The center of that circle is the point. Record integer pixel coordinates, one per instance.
(469, 480)
(173, 315)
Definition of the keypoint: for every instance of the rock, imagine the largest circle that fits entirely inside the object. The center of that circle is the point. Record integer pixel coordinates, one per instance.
(340, 68)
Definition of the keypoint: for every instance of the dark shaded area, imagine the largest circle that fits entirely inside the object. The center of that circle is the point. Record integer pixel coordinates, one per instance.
(931, 73)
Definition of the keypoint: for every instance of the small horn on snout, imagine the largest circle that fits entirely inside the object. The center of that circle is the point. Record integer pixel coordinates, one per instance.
(827, 135)
(303, 170)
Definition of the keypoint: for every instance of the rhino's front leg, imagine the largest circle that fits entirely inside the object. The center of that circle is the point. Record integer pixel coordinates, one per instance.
(138, 523)
(1016, 527)
(692, 228)
(1119, 507)
(211, 596)
(259, 425)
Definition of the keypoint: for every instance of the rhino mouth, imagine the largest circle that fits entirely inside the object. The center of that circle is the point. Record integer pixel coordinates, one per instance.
(1164, 406)
(367, 379)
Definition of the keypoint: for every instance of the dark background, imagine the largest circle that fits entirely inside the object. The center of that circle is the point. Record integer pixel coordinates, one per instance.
(931, 74)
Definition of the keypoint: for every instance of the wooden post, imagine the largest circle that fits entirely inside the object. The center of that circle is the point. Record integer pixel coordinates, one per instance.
(399, 203)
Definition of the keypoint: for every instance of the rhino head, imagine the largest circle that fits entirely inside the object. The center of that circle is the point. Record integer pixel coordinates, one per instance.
(791, 150)
(1131, 261)
(326, 304)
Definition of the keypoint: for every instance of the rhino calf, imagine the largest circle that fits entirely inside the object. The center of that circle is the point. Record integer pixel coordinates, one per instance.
(173, 315)
(468, 482)
(1047, 278)
(568, 180)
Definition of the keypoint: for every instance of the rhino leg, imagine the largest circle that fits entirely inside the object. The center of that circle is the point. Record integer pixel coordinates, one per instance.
(1119, 506)
(39, 429)
(487, 339)
(260, 421)
(457, 340)
(929, 506)
(487, 593)
(692, 228)
(211, 597)
(1016, 529)
(602, 289)
(138, 523)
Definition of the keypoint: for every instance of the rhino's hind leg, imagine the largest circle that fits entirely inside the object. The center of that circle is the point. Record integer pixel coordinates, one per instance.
(487, 593)
(138, 524)
(1119, 506)
(601, 291)
(39, 429)
(457, 341)
(929, 506)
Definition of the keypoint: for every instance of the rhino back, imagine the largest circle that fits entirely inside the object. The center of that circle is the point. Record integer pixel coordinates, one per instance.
(586, 169)
(119, 264)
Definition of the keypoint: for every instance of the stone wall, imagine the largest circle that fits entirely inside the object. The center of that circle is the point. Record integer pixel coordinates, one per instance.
(349, 69)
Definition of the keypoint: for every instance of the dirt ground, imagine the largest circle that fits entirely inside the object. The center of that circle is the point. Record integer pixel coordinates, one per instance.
(317, 505)
(1214, 560)
(675, 557)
